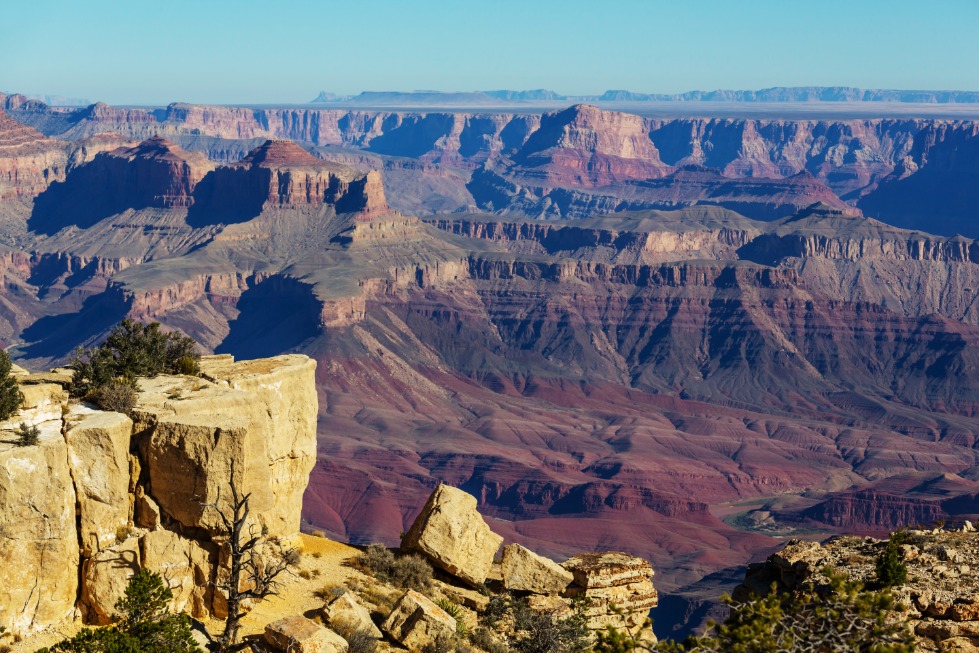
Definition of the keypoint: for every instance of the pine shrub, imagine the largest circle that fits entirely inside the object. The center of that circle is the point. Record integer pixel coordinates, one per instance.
(10, 395)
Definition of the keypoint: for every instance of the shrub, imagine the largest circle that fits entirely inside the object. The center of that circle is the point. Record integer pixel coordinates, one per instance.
(359, 640)
(377, 559)
(451, 609)
(145, 624)
(840, 617)
(27, 436)
(412, 572)
(118, 396)
(891, 570)
(544, 632)
(131, 350)
(10, 395)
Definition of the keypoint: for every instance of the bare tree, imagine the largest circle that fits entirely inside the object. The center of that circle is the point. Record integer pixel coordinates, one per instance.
(260, 572)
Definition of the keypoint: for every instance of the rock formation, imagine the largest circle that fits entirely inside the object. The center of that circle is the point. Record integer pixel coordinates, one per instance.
(619, 588)
(67, 504)
(454, 536)
(939, 601)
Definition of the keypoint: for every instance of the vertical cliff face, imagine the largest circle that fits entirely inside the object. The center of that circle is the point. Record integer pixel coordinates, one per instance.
(101, 496)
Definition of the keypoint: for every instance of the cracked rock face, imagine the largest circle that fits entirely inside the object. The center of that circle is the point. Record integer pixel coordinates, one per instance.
(38, 534)
(80, 513)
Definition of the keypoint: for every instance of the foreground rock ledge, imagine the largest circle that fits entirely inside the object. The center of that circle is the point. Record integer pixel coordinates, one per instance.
(67, 505)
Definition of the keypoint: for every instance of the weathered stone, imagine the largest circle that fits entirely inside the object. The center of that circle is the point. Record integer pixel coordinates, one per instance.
(42, 403)
(416, 621)
(105, 578)
(463, 596)
(38, 537)
(301, 635)
(187, 566)
(146, 513)
(255, 422)
(525, 571)
(98, 455)
(619, 588)
(452, 534)
(346, 612)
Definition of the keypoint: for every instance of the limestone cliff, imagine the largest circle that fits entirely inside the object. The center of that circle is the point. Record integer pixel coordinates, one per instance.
(103, 495)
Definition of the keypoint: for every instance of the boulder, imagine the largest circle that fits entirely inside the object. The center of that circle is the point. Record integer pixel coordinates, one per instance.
(619, 589)
(416, 621)
(187, 566)
(38, 535)
(98, 455)
(452, 534)
(105, 578)
(254, 421)
(525, 571)
(301, 635)
(346, 612)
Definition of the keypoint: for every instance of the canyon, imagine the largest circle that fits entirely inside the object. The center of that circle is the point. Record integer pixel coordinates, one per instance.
(687, 339)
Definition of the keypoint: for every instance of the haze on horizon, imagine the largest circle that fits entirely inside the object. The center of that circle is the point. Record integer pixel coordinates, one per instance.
(250, 51)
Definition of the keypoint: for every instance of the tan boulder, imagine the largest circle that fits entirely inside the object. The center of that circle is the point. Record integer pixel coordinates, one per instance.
(38, 536)
(525, 571)
(42, 403)
(186, 565)
(416, 621)
(346, 612)
(105, 578)
(454, 536)
(618, 587)
(301, 635)
(255, 420)
(98, 455)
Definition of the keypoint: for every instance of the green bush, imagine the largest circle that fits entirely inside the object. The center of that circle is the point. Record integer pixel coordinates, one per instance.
(410, 571)
(891, 570)
(27, 435)
(840, 617)
(145, 624)
(131, 350)
(10, 395)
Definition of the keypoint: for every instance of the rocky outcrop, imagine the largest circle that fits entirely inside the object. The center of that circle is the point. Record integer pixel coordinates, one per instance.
(79, 506)
(415, 621)
(253, 422)
(619, 589)
(452, 534)
(282, 174)
(525, 571)
(939, 601)
(301, 635)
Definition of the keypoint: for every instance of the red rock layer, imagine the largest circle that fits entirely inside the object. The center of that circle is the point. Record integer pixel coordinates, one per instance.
(29, 161)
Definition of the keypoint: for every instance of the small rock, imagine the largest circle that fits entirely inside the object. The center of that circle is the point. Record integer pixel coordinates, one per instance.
(416, 621)
(967, 527)
(301, 635)
(525, 571)
(346, 612)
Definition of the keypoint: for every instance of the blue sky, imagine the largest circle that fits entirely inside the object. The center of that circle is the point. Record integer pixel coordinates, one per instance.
(141, 52)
